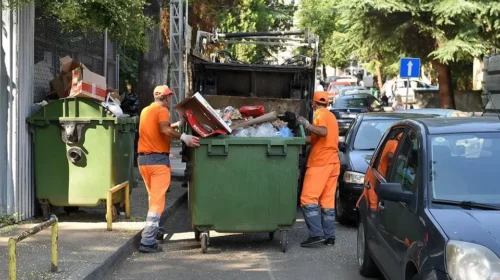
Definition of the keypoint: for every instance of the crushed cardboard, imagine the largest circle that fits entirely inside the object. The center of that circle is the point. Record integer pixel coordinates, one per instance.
(202, 117)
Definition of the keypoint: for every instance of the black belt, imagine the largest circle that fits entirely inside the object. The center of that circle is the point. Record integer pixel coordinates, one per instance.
(143, 154)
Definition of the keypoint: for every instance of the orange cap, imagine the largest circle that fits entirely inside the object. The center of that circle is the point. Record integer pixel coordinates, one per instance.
(321, 97)
(162, 91)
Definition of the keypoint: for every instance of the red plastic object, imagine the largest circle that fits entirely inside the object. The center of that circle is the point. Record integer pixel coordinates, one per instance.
(252, 111)
(200, 129)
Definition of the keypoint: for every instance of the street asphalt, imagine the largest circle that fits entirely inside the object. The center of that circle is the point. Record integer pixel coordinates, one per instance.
(237, 256)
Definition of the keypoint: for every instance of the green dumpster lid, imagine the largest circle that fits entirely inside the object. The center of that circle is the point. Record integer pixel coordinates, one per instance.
(70, 109)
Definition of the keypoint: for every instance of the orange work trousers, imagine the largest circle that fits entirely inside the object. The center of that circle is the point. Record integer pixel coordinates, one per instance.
(320, 185)
(157, 180)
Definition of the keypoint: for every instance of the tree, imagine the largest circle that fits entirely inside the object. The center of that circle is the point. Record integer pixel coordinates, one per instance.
(124, 19)
(255, 15)
(441, 32)
(153, 65)
(320, 17)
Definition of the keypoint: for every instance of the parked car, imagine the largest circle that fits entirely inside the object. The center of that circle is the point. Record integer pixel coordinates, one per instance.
(347, 107)
(437, 111)
(401, 85)
(355, 153)
(334, 88)
(430, 206)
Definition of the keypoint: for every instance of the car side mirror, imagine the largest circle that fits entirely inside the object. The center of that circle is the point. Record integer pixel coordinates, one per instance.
(342, 146)
(394, 192)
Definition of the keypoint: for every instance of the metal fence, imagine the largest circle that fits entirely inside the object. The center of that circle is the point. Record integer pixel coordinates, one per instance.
(90, 49)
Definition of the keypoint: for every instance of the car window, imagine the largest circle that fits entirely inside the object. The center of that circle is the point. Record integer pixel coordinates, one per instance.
(370, 132)
(386, 152)
(406, 163)
(465, 167)
(373, 101)
(351, 103)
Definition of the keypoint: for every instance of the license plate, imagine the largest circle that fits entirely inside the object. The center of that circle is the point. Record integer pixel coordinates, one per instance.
(346, 115)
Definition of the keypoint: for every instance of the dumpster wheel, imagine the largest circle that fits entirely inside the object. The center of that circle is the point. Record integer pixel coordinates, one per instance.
(271, 235)
(204, 242)
(197, 234)
(284, 240)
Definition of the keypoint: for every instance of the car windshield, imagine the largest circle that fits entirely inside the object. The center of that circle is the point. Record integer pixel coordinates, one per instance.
(464, 167)
(351, 103)
(370, 132)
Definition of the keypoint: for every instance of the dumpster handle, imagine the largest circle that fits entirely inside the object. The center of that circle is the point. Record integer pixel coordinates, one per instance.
(271, 154)
(302, 132)
(224, 154)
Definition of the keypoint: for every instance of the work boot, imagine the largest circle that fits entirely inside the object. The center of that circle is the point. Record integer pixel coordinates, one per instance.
(155, 248)
(160, 237)
(330, 241)
(311, 241)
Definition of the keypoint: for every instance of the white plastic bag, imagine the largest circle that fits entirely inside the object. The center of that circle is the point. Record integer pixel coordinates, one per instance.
(113, 104)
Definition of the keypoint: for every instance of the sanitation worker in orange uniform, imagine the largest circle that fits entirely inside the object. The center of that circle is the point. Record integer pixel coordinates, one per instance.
(323, 168)
(153, 161)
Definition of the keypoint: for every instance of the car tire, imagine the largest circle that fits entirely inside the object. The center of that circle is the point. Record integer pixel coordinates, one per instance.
(339, 217)
(366, 265)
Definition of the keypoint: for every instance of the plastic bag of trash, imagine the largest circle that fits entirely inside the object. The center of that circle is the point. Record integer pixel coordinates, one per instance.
(266, 130)
(261, 130)
(285, 132)
(113, 105)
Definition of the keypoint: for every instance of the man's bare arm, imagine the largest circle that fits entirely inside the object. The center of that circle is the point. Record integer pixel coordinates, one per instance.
(169, 131)
(318, 130)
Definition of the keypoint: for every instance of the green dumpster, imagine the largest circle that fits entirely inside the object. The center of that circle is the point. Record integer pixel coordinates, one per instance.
(81, 151)
(244, 185)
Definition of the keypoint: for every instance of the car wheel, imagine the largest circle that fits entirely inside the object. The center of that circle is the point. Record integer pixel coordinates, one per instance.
(366, 265)
(339, 209)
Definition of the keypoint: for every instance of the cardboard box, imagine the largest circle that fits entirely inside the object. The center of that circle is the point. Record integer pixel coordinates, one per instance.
(202, 117)
(75, 80)
(88, 84)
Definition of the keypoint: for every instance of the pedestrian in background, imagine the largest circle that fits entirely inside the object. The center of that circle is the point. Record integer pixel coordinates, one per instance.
(398, 105)
(155, 134)
(323, 168)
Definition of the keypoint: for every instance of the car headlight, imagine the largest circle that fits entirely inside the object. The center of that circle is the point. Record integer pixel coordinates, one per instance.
(469, 261)
(354, 177)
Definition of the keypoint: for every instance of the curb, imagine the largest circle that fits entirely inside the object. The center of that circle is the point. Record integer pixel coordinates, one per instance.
(129, 247)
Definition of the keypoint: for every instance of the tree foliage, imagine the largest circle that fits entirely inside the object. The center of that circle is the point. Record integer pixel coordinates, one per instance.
(252, 16)
(124, 19)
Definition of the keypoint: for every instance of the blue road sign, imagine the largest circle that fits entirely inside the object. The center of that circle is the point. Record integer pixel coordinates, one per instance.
(409, 68)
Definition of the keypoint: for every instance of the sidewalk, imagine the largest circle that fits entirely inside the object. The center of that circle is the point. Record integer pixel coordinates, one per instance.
(86, 249)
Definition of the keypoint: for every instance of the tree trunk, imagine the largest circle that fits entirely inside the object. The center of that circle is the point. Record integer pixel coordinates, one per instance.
(446, 96)
(378, 68)
(477, 75)
(153, 65)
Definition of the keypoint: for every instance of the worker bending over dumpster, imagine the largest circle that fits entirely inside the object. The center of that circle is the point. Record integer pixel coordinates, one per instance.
(323, 167)
(153, 161)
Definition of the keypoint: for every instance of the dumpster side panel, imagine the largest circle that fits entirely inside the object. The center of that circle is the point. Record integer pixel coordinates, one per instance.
(239, 187)
(105, 146)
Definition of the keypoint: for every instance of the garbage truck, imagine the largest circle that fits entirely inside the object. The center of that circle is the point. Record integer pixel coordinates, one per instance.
(250, 184)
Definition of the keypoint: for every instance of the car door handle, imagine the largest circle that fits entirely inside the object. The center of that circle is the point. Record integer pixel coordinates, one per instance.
(381, 206)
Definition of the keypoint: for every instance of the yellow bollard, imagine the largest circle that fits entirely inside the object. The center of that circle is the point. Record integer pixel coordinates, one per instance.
(55, 246)
(127, 201)
(12, 259)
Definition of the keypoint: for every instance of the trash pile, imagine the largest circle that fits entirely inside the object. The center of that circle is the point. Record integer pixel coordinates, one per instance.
(247, 121)
(250, 121)
(77, 81)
